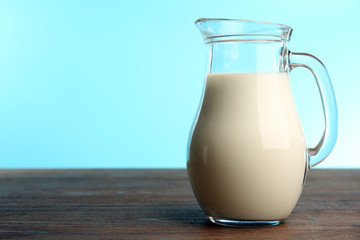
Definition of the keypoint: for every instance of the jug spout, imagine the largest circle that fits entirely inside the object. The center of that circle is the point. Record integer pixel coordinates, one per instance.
(227, 30)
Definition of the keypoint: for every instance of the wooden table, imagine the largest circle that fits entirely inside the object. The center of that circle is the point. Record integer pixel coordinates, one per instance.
(159, 204)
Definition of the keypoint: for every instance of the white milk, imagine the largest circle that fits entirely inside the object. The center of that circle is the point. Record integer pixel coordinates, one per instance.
(248, 154)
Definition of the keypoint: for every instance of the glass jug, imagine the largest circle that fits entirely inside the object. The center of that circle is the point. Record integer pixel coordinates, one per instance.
(247, 158)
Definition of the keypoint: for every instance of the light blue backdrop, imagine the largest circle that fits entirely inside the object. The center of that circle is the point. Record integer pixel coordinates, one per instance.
(117, 83)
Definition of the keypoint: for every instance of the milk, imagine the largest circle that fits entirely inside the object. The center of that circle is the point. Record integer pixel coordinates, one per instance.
(247, 157)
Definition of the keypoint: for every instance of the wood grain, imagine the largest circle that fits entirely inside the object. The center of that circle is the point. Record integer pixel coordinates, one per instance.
(159, 204)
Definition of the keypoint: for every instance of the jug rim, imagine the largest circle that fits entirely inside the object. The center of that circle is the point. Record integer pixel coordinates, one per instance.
(217, 30)
(238, 20)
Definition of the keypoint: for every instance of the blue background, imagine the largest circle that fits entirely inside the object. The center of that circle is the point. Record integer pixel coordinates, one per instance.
(117, 83)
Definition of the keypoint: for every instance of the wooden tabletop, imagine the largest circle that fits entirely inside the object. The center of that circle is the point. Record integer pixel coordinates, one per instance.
(159, 204)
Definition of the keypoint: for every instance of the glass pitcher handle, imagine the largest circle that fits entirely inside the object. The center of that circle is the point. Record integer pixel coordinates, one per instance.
(328, 139)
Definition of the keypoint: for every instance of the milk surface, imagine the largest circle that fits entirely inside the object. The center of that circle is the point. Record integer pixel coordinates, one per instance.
(247, 156)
